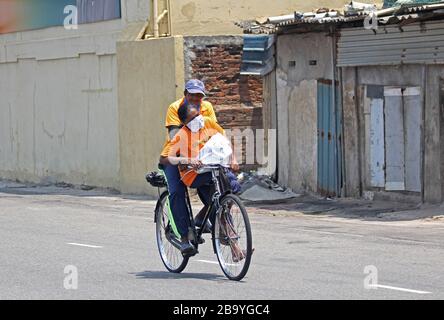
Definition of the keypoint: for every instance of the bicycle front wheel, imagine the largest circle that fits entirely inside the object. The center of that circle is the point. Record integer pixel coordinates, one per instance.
(171, 257)
(232, 239)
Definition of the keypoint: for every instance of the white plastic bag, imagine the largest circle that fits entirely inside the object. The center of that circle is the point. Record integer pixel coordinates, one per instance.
(216, 151)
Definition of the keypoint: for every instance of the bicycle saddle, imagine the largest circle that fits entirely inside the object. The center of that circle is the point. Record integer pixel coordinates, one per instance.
(156, 179)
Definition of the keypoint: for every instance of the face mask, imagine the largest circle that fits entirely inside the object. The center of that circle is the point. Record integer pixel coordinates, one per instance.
(192, 105)
(196, 124)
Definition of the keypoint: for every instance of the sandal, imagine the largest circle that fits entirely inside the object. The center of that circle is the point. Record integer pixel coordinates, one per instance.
(226, 239)
(237, 259)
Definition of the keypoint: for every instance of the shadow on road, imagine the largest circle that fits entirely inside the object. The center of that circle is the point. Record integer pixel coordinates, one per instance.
(26, 190)
(359, 209)
(307, 204)
(169, 275)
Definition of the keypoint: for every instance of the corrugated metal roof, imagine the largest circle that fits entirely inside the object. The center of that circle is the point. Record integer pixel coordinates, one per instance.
(385, 16)
(422, 8)
(309, 21)
(253, 27)
(398, 39)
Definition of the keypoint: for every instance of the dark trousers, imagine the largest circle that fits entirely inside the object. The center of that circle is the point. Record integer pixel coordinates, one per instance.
(178, 210)
(203, 184)
(205, 189)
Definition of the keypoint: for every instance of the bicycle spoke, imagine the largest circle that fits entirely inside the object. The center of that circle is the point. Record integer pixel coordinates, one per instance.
(171, 256)
(230, 232)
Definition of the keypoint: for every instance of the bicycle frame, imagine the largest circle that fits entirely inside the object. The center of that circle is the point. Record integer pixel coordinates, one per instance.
(225, 236)
(216, 172)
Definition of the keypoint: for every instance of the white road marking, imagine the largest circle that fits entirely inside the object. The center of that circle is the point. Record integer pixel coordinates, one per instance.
(405, 240)
(85, 245)
(206, 261)
(215, 262)
(331, 233)
(36, 209)
(363, 236)
(399, 289)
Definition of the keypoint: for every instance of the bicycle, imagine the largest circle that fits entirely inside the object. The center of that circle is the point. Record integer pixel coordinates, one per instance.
(231, 230)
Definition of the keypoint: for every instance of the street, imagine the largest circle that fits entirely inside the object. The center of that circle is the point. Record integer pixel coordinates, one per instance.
(110, 240)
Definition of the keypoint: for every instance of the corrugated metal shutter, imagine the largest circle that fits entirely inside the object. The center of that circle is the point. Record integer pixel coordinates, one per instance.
(391, 45)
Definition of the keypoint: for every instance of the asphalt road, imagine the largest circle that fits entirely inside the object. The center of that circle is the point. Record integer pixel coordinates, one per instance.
(111, 242)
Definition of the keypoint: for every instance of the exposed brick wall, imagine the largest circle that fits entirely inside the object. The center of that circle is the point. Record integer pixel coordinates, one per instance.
(243, 117)
(217, 61)
(219, 67)
(240, 118)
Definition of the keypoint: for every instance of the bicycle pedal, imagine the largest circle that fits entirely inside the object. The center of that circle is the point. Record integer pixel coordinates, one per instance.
(189, 255)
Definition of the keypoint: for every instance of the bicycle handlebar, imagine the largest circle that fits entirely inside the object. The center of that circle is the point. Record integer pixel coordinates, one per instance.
(208, 167)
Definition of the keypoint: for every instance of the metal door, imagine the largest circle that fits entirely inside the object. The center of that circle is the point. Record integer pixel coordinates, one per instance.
(329, 140)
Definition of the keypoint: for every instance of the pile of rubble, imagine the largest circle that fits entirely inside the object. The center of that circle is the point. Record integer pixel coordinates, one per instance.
(262, 189)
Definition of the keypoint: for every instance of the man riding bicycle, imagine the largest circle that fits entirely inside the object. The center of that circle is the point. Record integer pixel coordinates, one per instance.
(183, 150)
(193, 96)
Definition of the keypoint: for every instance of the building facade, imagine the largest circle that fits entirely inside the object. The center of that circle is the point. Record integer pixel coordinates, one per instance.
(361, 108)
(58, 89)
(86, 105)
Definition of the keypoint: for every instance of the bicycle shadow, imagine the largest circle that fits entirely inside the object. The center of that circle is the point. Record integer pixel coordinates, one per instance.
(169, 275)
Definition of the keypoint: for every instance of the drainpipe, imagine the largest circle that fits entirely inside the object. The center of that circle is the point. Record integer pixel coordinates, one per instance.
(158, 18)
(170, 17)
(161, 17)
(155, 18)
(155, 14)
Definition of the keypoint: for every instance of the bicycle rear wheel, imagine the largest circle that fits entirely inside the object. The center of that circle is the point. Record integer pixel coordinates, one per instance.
(171, 257)
(232, 239)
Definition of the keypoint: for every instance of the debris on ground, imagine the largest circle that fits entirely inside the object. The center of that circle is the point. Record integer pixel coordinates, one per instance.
(262, 189)
(47, 186)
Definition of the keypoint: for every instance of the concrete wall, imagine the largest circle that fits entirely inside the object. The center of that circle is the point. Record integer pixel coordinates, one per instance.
(296, 82)
(433, 132)
(58, 106)
(150, 78)
(58, 120)
(352, 120)
(215, 17)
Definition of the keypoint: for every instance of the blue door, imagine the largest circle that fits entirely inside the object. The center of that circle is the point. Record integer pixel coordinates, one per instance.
(329, 140)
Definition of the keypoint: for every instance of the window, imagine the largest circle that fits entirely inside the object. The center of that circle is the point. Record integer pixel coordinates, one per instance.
(21, 15)
(98, 10)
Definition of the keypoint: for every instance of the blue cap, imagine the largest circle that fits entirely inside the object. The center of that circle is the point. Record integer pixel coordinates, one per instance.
(195, 86)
